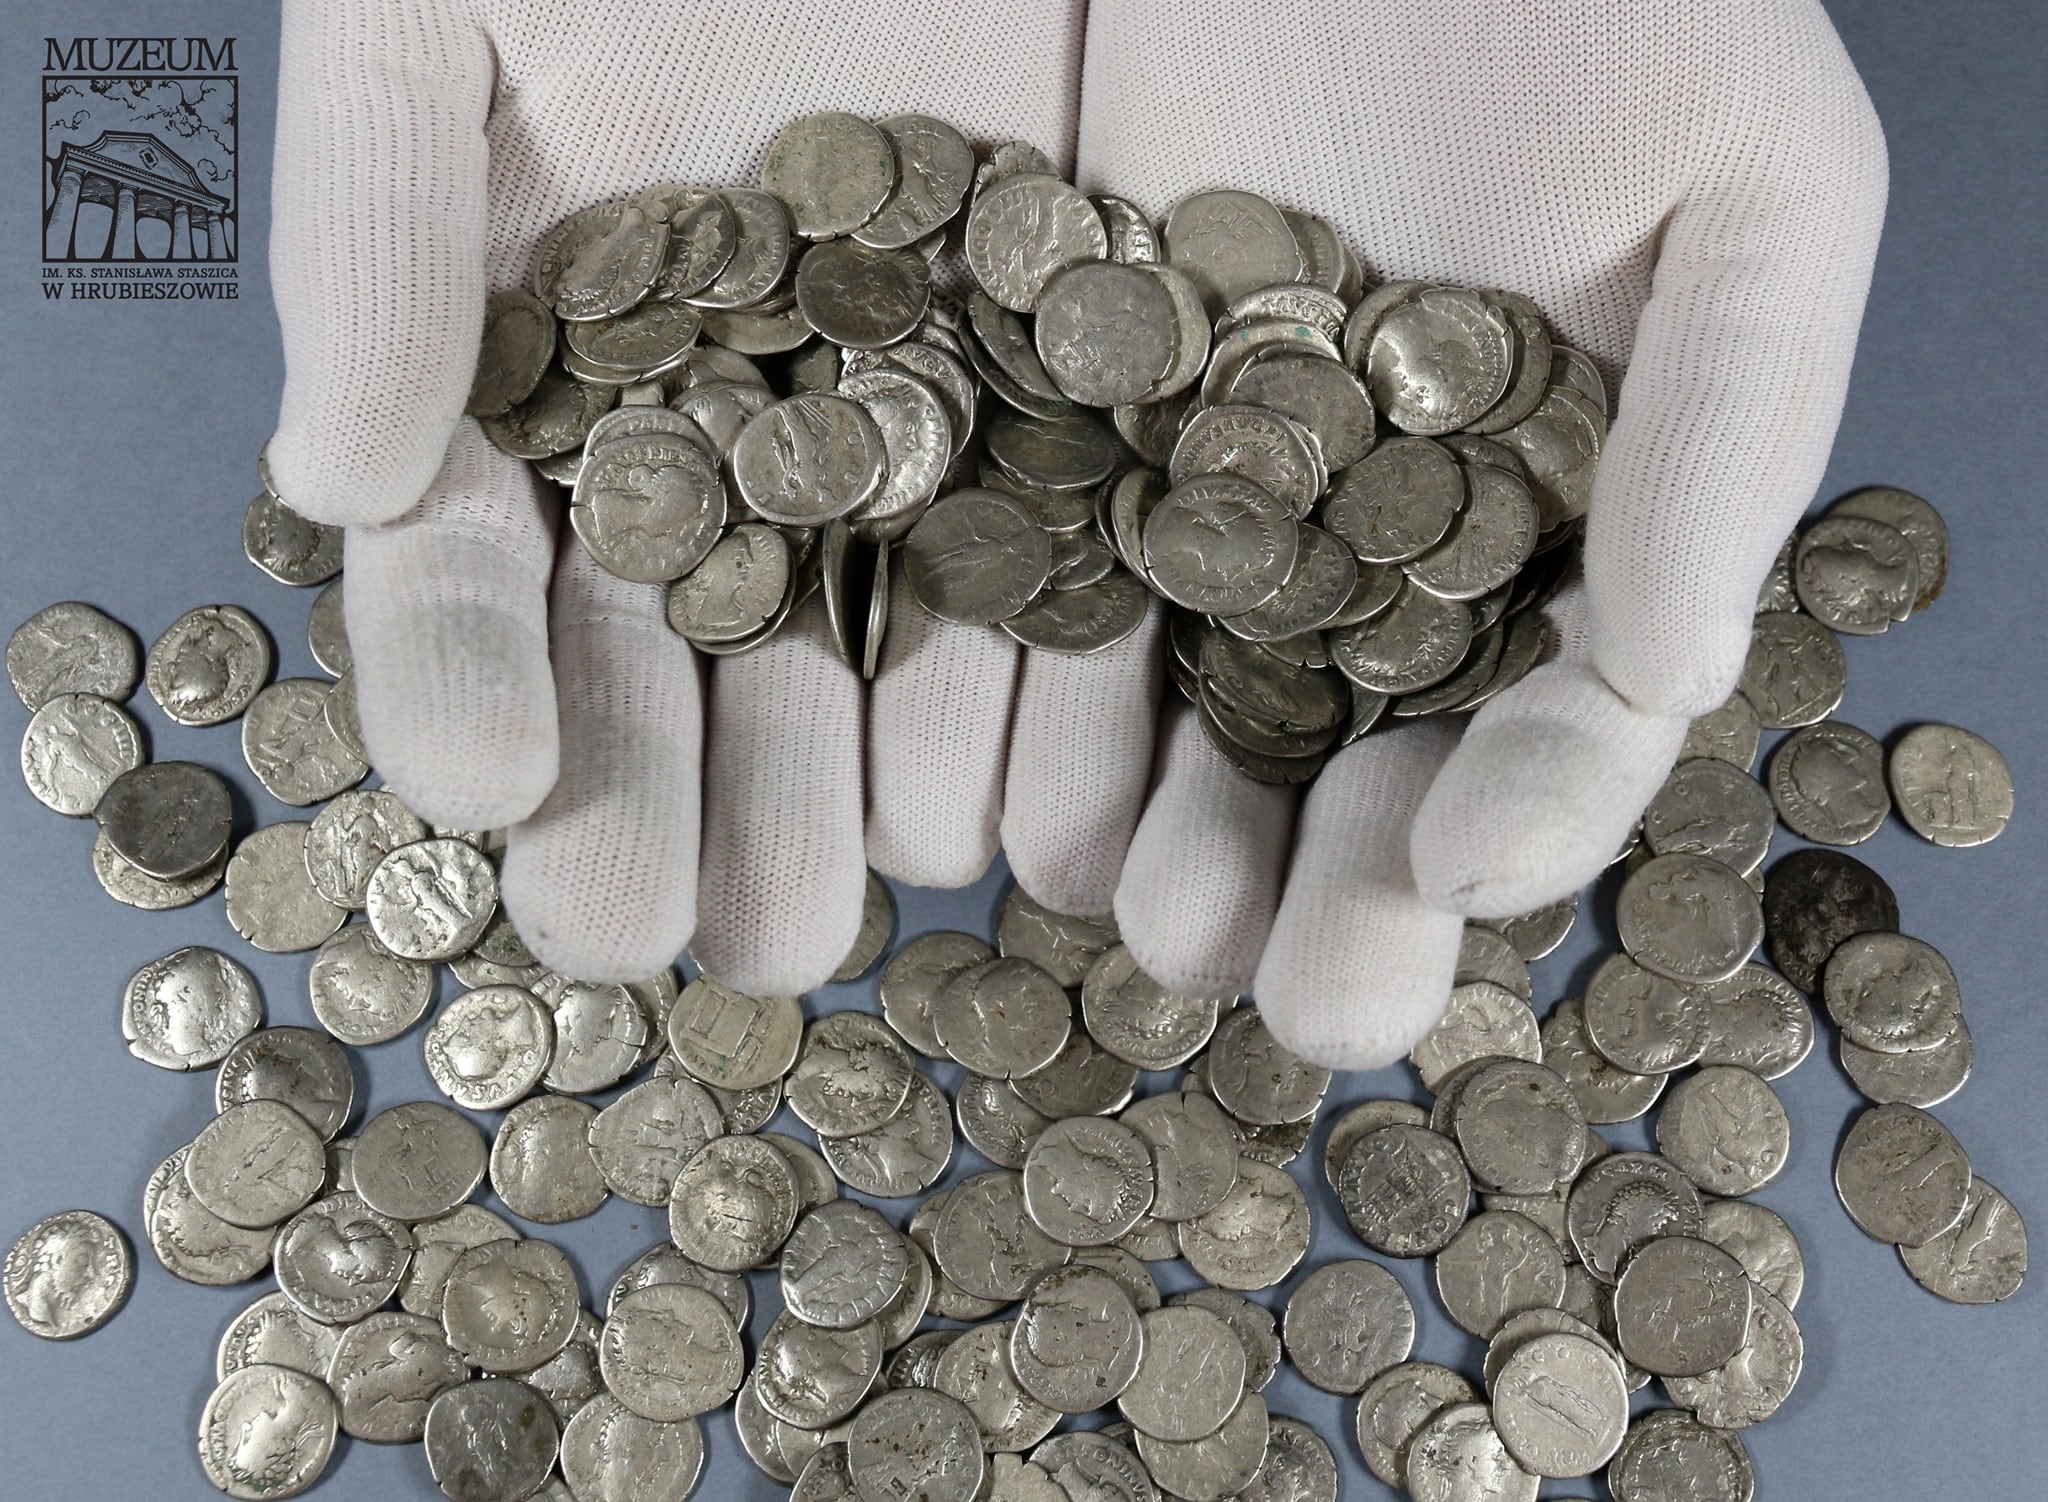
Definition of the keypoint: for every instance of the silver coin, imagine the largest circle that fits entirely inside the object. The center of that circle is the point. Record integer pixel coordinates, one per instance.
(649, 508)
(737, 588)
(1193, 1149)
(600, 261)
(1498, 1264)
(518, 343)
(851, 1075)
(1106, 332)
(362, 992)
(291, 746)
(1404, 1189)
(350, 836)
(1520, 1127)
(1756, 1019)
(1190, 1376)
(1457, 1456)
(419, 1160)
(1892, 993)
(286, 546)
(735, 1201)
(1230, 243)
(1487, 543)
(72, 648)
(1256, 1236)
(987, 1242)
(915, 1443)
(1730, 733)
(1981, 1259)
(601, 1033)
(1725, 1129)
(137, 889)
(191, 1241)
(1397, 502)
(1089, 1467)
(1255, 444)
(1754, 1383)
(1484, 1020)
(1064, 946)
(1394, 1407)
(1253, 1325)
(186, 1010)
(976, 558)
(1346, 1323)
(1950, 785)
(1681, 1307)
(1624, 1201)
(1795, 672)
(1081, 1080)
(1917, 521)
(432, 899)
(611, 1454)
(541, 1165)
(777, 1449)
(1921, 1077)
(1854, 574)
(68, 1274)
(734, 1041)
(1219, 544)
(905, 1155)
(1641, 1021)
(1902, 1175)
(1560, 1406)
(641, 1141)
(1827, 781)
(338, 1259)
(1668, 1453)
(1077, 1340)
(1760, 1240)
(1023, 230)
(256, 1163)
(209, 664)
(877, 923)
(436, 1244)
(842, 1266)
(296, 1066)
(489, 1047)
(1415, 644)
(670, 1352)
(1439, 359)
(1530, 1323)
(996, 1121)
(1605, 1091)
(1003, 1019)
(1216, 1466)
(267, 1432)
(510, 1305)
(1365, 1117)
(1687, 918)
(834, 170)
(1258, 1080)
(651, 339)
(491, 1440)
(1712, 808)
(273, 1331)
(75, 747)
(271, 900)
(811, 1376)
(1087, 1181)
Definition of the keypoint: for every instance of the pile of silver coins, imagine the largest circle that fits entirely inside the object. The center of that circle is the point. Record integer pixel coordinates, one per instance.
(938, 1329)
(1355, 500)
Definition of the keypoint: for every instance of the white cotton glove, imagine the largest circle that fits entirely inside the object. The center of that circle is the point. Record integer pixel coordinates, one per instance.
(1692, 192)
(423, 148)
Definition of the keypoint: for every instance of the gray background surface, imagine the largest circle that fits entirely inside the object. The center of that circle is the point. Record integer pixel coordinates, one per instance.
(129, 432)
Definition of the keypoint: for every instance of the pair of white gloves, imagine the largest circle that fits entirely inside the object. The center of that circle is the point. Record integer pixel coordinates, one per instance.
(1691, 190)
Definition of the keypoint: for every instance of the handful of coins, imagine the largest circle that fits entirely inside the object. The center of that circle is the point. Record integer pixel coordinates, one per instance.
(1356, 500)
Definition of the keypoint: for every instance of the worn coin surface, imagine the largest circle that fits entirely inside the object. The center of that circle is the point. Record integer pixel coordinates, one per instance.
(72, 648)
(362, 993)
(491, 1439)
(734, 1202)
(291, 746)
(1077, 1340)
(670, 1352)
(851, 1076)
(298, 1066)
(267, 1432)
(1902, 1175)
(1795, 672)
(418, 1160)
(271, 899)
(1457, 1455)
(510, 1305)
(734, 1041)
(209, 664)
(1827, 781)
(1726, 1130)
(541, 1165)
(1815, 899)
(432, 899)
(1498, 1264)
(68, 1274)
(1681, 1307)
(1190, 1376)
(1256, 1236)
(1855, 574)
(1892, 993)
(1605, 1091)
(1951, 786)
(1981, 1259)
(1346, 1323)
(1484, 1020)
(191, 1241)
(611, 1454)
(1760, 1240)
(75, 746)
(1520, 1127)
(256, 1163)
(1405, 1190)
(338, 1259)
(1754, 1383)
(1669, 1453)
(842, 1265)
(489, 1047)
(1623, 1201)
(186, 1010)
(1688, 918)
(1087, 1181)
(1003, 1019)
(1560, 1405)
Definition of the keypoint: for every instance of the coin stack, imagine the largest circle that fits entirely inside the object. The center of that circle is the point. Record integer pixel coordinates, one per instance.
(1587, 1270)
(1193, 411)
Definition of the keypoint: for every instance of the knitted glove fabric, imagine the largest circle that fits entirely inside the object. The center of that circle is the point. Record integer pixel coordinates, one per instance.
(1692, 191)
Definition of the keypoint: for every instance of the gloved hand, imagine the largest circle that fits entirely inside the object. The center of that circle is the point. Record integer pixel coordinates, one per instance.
(1692, 191)
(423, 148)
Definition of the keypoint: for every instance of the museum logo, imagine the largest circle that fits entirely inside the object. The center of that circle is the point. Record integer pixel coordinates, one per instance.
(139, 183)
